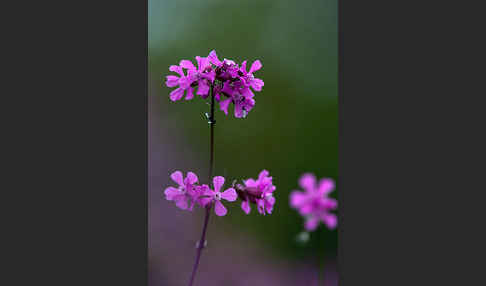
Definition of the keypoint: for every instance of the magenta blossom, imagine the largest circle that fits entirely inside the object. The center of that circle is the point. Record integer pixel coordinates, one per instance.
(240, 95)
(183, 81)
(186, 192)
(215, 196)
(248, 78)
(189, 193)
(204, 74)
(226, 69)
(231, 83)
(259, 192)
(314, 203)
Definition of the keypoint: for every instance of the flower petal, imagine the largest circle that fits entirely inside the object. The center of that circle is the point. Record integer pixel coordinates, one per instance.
(171, 80)
(191, 207)
(257, 84)
(326, 186)
(177, 177)
(269, 188)
(227, 88)
(246, 92)
(182, 203)
(269, 203)
(213, 58)
(190, 93)
(203, 88)
(219, 209)
(255, 66)
(249, 104)
(330, 220)
(243, 67)
(306, 208)
(229, 195)
(177, 69)
(218, 182)
(170, 193)
(211, 75)
(311, 223)
(177, 94)
(191, 178)
(251, 183)
(308, 182)
(202, 63)
(262, 175)
(330, 204)
(297, 199)
(187, 65)
(261, 206)
(208, 194)
(223, 105)
(270, 200)
(245, 206)
(185, 82)
(239, 111)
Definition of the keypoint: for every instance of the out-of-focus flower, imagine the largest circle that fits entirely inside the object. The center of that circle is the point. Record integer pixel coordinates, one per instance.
(314, 203)
(259, 192)
(185, 193)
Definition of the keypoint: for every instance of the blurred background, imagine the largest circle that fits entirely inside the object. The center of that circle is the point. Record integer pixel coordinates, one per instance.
(292, 129)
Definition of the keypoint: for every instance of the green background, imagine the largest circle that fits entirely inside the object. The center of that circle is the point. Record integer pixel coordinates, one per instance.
(293, 127)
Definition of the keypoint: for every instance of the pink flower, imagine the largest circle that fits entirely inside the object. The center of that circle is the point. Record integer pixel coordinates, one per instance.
(226, 69)
(213, 58)
(231, 83)
(314, 203)
(203, 75)
(240, 95)
(183, 81)
(259, 192)
(248, 78)
(186, 191)
(215, 196)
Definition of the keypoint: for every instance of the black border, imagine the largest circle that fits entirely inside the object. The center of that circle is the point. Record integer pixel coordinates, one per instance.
(406, 103)
(79, 144)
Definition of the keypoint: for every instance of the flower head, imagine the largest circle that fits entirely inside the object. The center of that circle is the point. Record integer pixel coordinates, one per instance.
(184, 82)
(236, 93)
(202, 76)
(186, 191)
(225, 69)
(231, 82)
(248, 78)
(314, 203)
(216, 196)
(259, 192)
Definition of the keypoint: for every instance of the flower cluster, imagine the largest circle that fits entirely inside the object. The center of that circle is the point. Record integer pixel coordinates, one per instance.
(314, 203)
(259, 192)
(231, 82)
(189, 193)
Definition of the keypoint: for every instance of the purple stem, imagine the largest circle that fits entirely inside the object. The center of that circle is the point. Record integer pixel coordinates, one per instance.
(201, 243)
